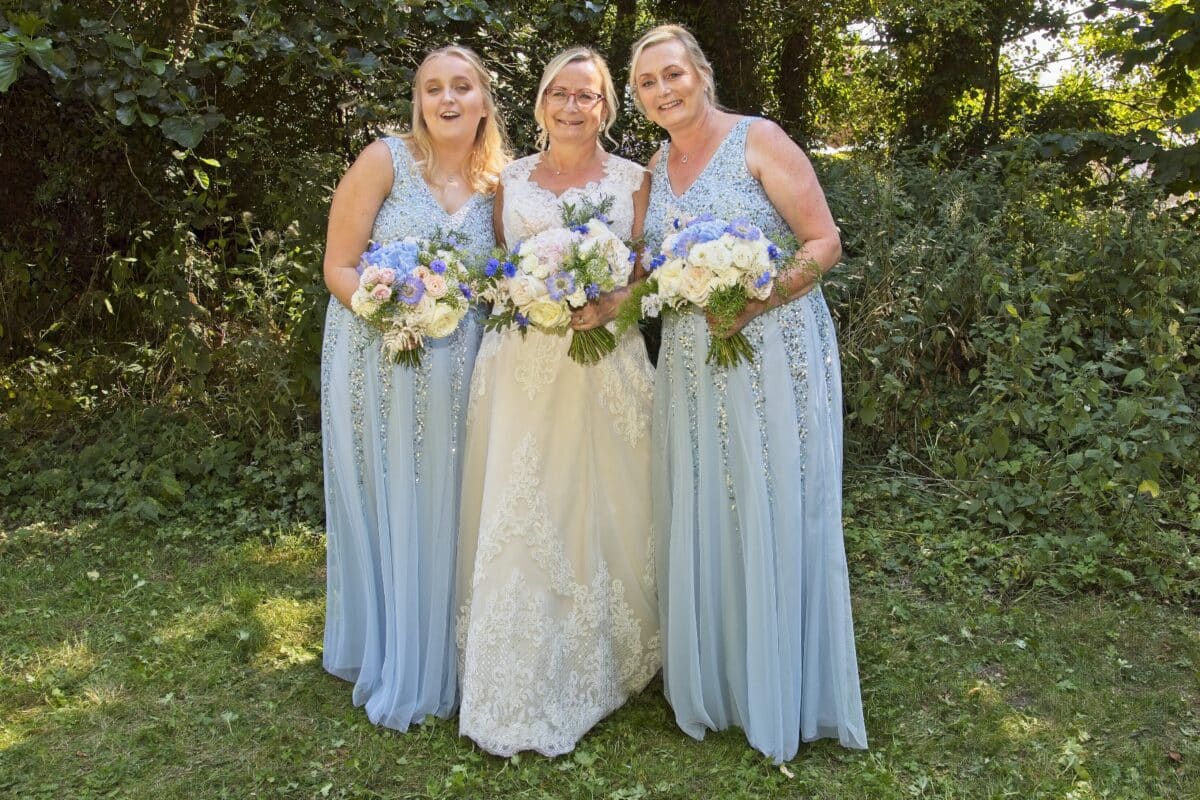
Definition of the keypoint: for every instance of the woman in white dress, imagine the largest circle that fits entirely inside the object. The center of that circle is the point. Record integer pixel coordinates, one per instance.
(558, 623)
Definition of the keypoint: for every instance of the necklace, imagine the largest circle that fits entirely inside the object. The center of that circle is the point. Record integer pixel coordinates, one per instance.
(558, 171)
(683, 157)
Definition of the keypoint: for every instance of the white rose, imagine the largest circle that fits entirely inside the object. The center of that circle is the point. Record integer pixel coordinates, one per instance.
(695, 284)
(445, 320)
(549, 314)
(362, 304)
(742, 254)
(577, 298)
(421, 314)
(524, 289)
(713, 255)
(669, 275)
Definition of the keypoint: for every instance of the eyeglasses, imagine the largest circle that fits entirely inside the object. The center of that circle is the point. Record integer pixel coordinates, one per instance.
(585, 99)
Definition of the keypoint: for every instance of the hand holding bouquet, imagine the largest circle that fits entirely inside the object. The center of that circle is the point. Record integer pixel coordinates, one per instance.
(412, 289)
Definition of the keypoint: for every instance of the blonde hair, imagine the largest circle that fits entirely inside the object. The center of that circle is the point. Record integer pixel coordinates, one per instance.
(555, 66)
(669, 33)
(490, 152)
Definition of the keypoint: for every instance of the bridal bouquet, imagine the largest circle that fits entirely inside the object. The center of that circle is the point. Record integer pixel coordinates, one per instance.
(715, 265)
(551, 273)
(412, 289)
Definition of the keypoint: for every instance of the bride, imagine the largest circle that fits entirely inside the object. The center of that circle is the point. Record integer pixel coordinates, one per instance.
(558, 623)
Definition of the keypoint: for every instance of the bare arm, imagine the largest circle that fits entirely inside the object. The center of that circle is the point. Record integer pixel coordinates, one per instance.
(356, 202)
(791, 185)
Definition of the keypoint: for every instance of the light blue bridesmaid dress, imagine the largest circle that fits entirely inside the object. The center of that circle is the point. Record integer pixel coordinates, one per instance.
(392, 439)
(754, 594)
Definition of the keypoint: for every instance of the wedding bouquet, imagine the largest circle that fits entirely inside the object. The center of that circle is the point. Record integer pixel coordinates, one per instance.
(551, 273)
(715, 265)
(412, 289)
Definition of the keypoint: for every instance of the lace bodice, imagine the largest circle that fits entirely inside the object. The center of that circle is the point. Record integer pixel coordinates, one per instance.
(530, 208)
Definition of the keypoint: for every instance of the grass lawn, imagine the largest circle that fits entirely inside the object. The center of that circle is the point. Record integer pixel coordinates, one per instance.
(181, 666)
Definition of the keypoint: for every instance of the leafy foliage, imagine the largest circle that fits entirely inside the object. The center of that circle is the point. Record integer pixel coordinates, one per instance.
(1033, 346)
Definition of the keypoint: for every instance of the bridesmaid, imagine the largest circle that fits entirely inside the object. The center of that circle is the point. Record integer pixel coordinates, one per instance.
(753, 589)
(392, 434)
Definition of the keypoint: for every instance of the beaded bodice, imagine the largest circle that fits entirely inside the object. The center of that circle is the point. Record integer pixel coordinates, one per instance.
(724, 188)
(411, 210)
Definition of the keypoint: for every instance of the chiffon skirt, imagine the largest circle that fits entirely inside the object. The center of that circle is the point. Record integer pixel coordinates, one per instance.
(392, 438)
(754, 594)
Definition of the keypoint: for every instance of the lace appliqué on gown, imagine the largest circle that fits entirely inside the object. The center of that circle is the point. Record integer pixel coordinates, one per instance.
(569, 651)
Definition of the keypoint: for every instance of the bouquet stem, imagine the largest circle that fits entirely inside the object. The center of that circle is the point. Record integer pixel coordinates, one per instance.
(410, 358)
(588, 347)
(729, 351)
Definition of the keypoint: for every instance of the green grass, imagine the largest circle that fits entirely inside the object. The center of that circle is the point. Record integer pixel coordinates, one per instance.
(179, 666)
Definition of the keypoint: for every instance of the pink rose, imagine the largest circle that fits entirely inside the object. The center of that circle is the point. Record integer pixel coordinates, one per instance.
(382, 293)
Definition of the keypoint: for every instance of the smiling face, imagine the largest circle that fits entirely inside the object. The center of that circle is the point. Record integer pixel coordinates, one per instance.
(566, 122)
(669, 86)
(451, 101)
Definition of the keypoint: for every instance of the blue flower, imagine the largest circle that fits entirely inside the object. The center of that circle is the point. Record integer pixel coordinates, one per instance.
(743, 228)
(522, 320)
(591, 291)
(452, 240)
(632, 256)
(560, 284)
(580, 229)
(510, 269)
(438, 266)
(466, 291)
(657, 262)
(675, 222)
(763, 280)
(400, 256)
(490, 268)
(604, 218)
(705, 217)
(410, 290)
(773, 252)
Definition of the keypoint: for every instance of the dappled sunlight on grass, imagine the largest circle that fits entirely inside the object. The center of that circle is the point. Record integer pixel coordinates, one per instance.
(1021, 728)
(295, 629)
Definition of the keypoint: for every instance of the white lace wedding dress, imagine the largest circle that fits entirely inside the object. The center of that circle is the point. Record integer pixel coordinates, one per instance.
(559, 621)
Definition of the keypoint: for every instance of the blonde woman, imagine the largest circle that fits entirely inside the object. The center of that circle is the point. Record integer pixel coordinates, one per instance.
(392, 434)
(559, 623)
(752, 578)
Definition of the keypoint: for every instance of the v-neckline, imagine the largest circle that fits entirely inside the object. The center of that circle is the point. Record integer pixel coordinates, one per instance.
(720, 146)
(450, 215)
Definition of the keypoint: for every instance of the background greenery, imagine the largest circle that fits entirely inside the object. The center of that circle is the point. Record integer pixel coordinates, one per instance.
(1018, 313)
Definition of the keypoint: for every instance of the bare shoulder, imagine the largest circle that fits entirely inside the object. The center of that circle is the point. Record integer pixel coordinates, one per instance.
(767, 135)
(769, 146)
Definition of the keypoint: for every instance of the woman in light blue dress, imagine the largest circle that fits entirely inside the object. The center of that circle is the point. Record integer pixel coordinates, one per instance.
(393, 434)
(753, 587)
